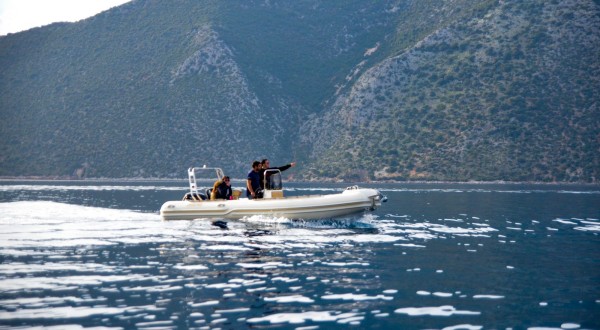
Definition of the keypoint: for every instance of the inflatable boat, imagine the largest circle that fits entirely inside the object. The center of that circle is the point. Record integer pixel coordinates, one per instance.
(197, 204)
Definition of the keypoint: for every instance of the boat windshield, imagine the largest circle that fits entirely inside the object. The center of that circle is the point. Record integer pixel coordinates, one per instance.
(209, 174)
(273, 180)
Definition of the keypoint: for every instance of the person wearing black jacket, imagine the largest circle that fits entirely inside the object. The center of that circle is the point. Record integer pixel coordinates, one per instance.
(265, 165)
(222, 189)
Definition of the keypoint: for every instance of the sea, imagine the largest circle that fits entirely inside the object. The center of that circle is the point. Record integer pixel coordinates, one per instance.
(96, 254)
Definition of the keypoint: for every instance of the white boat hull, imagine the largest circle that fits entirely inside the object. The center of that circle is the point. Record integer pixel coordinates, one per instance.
(350, 201)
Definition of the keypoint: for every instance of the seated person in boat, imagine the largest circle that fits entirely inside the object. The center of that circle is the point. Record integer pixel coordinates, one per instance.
(265, 165)
(222, 189)
(253, 189)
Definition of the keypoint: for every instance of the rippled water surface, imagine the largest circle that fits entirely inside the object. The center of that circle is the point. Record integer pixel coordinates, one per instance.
(96, 254)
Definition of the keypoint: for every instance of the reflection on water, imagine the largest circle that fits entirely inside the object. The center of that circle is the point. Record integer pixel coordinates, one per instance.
(430, 258)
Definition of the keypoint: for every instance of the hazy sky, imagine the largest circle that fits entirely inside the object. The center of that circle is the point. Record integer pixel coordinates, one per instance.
(19, 15)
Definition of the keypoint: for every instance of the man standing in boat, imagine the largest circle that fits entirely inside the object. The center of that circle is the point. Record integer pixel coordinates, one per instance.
(265, 165)
(253, 182)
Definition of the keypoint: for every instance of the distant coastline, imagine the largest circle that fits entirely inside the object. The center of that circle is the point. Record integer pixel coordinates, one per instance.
(324, 180)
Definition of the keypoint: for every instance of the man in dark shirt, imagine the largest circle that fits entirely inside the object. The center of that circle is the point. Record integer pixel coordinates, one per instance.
(253, 189)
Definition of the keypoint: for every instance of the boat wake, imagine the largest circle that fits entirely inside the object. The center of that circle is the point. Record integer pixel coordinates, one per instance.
(43, 224)
(31, 211)
(46, 224)
(365, 221)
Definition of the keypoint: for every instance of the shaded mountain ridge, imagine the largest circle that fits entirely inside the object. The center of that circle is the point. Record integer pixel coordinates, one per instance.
(391, 90)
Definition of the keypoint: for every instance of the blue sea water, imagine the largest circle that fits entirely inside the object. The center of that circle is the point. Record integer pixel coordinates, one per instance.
(86, 254)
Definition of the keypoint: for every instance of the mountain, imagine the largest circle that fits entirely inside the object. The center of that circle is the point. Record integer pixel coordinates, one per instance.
(352, 90)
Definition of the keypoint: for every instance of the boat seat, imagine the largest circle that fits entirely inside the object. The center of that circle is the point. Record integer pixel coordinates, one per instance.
(273, 194)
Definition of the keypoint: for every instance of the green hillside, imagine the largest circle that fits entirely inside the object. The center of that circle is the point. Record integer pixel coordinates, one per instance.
(351, 90)
(507, 95)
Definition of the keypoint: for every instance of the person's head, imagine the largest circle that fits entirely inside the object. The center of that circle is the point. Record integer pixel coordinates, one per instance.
(265, 163)
(256, 165)
(226, 180)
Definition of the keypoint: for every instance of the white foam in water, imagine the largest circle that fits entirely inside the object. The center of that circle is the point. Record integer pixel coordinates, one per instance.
(265, 265)
(581, 224)
(290, 299)
(565, 222)
(59, 312)
(345, 264)
(223, 286)
(36, 302)
(190, 267)
(380, 238)
(458, 230)
(487, 296)
(152, 289)
(454, 220)
(50, 224)
(351, 320)
(442, 294)
(299, 318)
(284, 279)
(251, 282)
(264, 219)
(20, 268)
(314, 327)
(154, 325)
(29, 211)
(355, 297)
(66, 282)
(427, 231)
(464, 327)
(589, 228)
(234, 310)
(410, 245)
(69, 312)
(434, 311)
(205, 303)
(225, 248)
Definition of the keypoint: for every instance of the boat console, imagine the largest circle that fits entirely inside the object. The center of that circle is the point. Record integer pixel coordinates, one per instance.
(273, 184)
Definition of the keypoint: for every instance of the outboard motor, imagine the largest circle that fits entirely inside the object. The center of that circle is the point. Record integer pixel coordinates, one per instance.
(383, 198)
